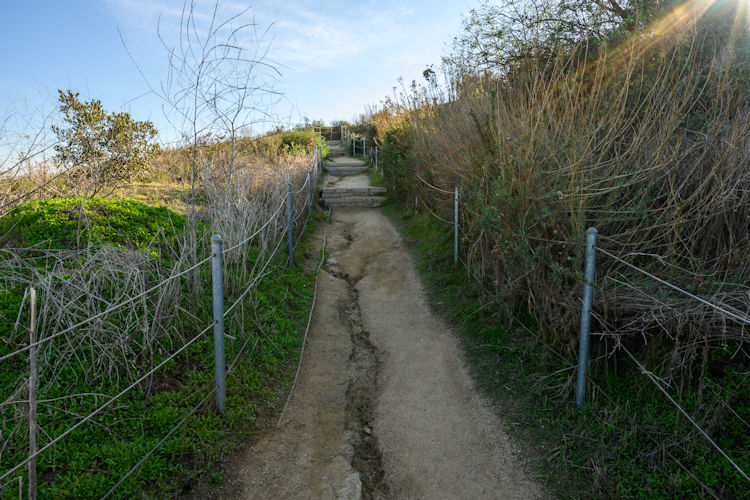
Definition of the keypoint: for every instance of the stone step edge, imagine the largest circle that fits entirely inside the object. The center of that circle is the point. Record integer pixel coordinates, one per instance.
(354, 190)
(344, 202)
(344, 164)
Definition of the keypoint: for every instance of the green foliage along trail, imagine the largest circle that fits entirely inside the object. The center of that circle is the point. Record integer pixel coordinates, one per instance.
(81, 371)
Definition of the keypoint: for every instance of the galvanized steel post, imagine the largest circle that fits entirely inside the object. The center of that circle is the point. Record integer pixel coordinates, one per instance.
(289, 233)
(33, 381)
(309, 192)
(217, 281)
(589, 275)
(364, 146)
(455, 227)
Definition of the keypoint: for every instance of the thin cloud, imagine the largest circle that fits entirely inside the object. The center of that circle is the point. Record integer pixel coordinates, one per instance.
(304, 35)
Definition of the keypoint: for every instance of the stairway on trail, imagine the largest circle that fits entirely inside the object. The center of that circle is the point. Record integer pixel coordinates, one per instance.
(347, 184)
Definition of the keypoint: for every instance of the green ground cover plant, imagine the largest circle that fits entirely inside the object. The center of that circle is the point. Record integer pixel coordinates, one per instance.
(56, 223)
(263, 338)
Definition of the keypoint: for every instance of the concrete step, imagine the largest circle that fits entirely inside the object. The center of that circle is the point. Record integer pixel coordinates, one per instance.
(345, 161)
(354, 191)
(355, 201)
(343, 170)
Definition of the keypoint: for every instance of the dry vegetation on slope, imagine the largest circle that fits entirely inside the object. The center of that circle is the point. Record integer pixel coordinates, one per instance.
(642, 134)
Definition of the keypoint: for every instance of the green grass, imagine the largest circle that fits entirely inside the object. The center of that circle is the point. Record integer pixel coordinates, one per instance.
(616, 448)
(266, 328)
(56, 223)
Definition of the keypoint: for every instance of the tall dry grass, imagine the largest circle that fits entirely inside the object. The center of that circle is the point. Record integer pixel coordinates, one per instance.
(647, 141)
(119, 346)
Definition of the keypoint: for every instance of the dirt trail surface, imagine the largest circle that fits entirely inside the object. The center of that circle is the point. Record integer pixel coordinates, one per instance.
(384, 406)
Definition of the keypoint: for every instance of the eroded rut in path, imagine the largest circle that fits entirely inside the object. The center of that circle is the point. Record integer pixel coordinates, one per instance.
(384, 406)
(364, 364)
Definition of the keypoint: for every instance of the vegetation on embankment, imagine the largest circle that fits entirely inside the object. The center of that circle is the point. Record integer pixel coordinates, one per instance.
(132, 267)
(130, 246)
(124, 289)
(606, 450)
(165, 179)
(640, 133)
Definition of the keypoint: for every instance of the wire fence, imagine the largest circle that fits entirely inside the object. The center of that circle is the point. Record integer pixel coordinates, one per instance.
(587, 314)
(281, 227)
(454, 222)
(730, 313)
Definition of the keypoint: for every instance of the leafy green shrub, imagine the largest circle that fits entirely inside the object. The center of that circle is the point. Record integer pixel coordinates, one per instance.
(104, 149)
(302, 142)
(395, 157)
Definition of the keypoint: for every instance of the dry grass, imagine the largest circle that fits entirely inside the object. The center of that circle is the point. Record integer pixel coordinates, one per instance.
(74, 285)
(646, 141)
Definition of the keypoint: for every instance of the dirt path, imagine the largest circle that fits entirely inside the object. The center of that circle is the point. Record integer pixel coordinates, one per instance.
(384, 406)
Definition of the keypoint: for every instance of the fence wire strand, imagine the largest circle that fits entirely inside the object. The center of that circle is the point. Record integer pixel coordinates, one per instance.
(108, 403)
(307, 179)
(674, 287)
(433, 187)
(436, 215)
(257, 232)
(653, 379)
(257, 279)
(106, 311)
(307, 329)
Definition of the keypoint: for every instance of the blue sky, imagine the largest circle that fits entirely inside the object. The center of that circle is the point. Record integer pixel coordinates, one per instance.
(335, 57)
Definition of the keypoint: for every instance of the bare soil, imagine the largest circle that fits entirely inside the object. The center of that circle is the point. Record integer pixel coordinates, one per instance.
(384, 406)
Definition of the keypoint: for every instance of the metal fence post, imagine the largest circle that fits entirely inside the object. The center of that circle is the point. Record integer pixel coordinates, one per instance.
(376, 158)
(217, 280)
(309, 192)
(455, 227)
(589, 275)
(32, 394)
(364, 146)
(289, 233)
